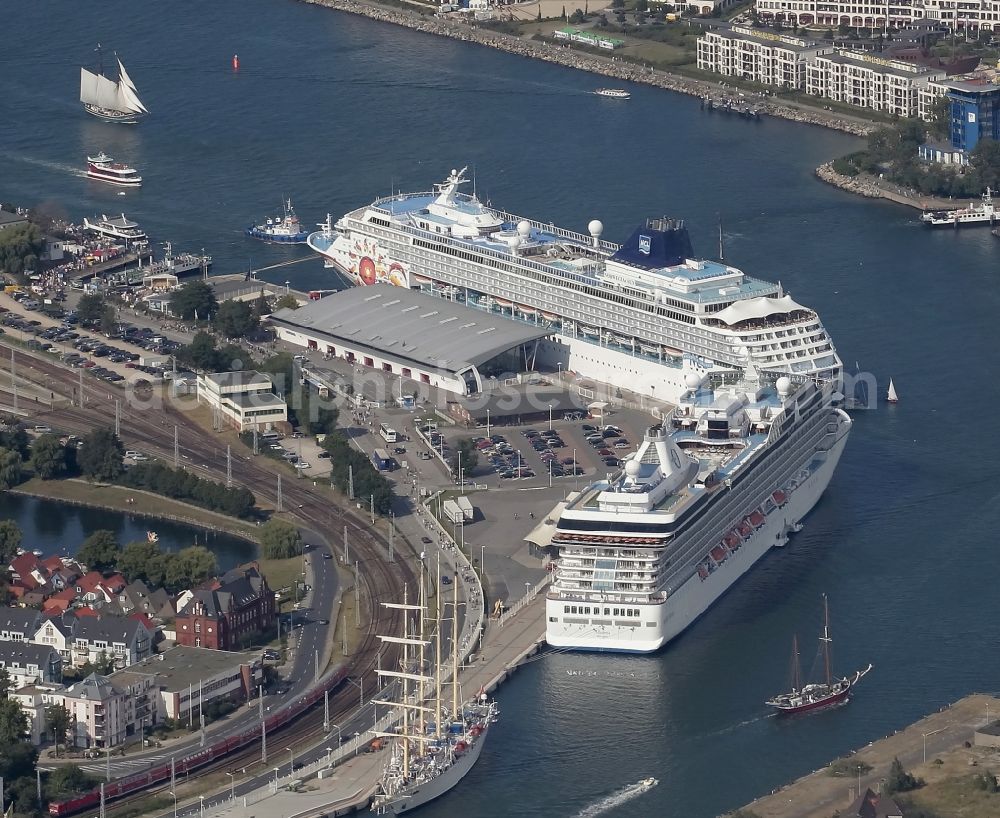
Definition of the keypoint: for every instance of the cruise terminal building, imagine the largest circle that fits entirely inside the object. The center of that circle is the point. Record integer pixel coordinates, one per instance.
(425, 338)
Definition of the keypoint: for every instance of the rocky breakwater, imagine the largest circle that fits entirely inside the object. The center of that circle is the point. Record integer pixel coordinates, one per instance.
(853, 184)
(594, 63)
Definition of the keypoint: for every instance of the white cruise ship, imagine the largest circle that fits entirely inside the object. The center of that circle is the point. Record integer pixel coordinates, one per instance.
(640, 315)
(726, 477)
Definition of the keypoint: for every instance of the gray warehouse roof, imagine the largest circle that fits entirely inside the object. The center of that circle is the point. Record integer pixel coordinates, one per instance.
(181, 666)
(410, 324)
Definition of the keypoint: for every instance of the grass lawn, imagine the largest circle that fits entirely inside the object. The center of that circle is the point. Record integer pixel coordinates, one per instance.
(282, 573)
(116, 497)
(951, 789)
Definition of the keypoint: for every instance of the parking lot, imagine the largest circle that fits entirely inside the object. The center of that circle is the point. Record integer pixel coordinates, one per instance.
(119, 355)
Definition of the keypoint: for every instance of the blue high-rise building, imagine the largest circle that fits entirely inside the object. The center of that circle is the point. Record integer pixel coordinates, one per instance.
(975, 112)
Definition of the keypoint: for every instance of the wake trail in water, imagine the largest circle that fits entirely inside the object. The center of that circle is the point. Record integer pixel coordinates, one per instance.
(617, 798)
(62, 167)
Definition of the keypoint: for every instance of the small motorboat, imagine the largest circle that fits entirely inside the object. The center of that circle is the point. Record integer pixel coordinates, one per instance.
(614, 93)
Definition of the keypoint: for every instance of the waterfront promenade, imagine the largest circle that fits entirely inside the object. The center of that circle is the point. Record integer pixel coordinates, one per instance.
(594, 63)
(941, 734)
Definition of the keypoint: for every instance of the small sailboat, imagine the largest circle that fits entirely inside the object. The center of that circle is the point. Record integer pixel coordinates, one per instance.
(110, 100)
(803, 698)
(891, 395)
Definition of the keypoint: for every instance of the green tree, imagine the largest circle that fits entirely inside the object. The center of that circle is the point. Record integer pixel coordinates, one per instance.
(899, 780)
(287, 302)
(235, 319)
(985, 160)
(100, 551)
(13, 723)
(58, 719)
(48, 457)
(576, 17)
(90, 307)
(13, 436)
(10, 469)
(843, 30)
(109, 320)
(466, 456)
(20, 247)
(262, 306)
(10, 541)
(196, 299)
(279, 540)
(143, 560)
(67, 779)
(5, 684)
(101, 456)
(190, 566)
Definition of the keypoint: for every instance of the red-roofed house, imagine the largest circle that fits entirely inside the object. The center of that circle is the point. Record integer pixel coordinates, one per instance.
(59, 602)
(86, 610)
(90, 588)
(26, 571)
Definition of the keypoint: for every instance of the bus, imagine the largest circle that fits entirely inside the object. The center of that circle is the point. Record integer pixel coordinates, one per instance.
(388, 435)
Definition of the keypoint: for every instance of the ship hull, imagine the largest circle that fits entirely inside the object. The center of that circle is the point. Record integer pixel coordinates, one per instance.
(263, 235)
(659, 623)
(971, 221)
(425, 792)
(107, 115)
(829, 701)
(114, 180)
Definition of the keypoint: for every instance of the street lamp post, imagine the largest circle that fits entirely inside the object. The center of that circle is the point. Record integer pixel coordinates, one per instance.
(329, 750)
(559, 370)
(550, 417)
(232, 785)
(487, 423)
(340, 738)
(482, 560)
(357, 744)
(202, 797)
(174, 794)
(527, 589)
(275, 779)
(291, 760)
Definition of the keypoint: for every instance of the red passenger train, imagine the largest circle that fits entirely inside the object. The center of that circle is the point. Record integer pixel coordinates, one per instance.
(158, 775)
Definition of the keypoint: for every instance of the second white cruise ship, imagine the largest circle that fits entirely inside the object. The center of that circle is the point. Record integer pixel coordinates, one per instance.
(641, 315)
(727, 476)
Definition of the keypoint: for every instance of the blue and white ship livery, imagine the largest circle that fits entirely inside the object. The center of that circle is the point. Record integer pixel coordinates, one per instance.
(640, 315)
(727, 476)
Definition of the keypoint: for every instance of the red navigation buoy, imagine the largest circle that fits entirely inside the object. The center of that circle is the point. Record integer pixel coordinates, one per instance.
(236, 62)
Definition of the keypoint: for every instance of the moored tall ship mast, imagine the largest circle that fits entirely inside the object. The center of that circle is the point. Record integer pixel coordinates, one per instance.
(429, 759)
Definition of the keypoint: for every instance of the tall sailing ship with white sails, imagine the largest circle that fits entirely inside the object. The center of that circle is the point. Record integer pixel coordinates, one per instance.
(110, 100)
(434, 747)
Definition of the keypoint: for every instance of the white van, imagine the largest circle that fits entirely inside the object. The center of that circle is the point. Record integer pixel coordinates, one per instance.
(270, 436)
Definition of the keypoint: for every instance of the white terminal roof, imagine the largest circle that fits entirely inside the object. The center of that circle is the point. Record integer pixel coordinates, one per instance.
(402, 323)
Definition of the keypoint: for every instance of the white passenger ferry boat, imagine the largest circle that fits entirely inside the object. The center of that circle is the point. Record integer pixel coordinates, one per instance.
(118, 228)
(640, 315)
(729, 475)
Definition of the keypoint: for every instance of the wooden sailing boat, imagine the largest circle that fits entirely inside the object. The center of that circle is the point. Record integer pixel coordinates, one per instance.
(110, 100)
(803, 698)
(891, 395)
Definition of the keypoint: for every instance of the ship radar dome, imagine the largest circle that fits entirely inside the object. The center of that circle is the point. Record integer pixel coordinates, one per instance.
(524, 229)
(513, 242)
(783, 385)
(632, 468)
(595, 228)
(692, 380)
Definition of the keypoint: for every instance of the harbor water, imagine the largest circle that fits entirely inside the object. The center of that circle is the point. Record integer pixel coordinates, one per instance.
(333, 110)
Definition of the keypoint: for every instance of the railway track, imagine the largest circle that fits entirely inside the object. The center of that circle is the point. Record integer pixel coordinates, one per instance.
(149, 423)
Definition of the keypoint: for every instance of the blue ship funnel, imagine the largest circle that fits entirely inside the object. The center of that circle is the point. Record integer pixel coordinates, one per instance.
(659, 243)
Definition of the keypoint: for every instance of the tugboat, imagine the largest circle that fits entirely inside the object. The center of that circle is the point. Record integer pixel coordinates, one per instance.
(281, 229)
(803, 698)
(105, 169)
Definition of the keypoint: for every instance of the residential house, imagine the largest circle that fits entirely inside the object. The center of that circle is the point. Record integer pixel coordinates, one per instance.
(57, 632)
(874, 805)
(27, 574)
(98, 712)
(59, 602)
(27, 663)
(95, 637)
(19, 624)
(33, 700)
(137, 597)
(229, 614)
